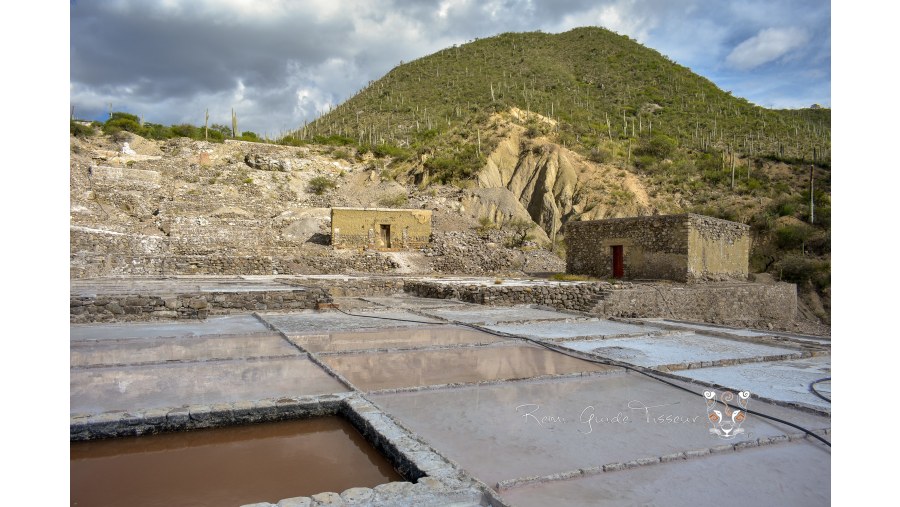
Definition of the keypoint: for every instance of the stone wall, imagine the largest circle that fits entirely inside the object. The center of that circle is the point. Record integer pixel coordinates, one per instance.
(654, 247)
(95, 266)
(196, 305)
(124, 177)
(98, 253)
(361, 228)
(744, 304)
(146, 305)
(579, 296)
(718, 249)
(353, 287)
(211, 235)
(683, 248)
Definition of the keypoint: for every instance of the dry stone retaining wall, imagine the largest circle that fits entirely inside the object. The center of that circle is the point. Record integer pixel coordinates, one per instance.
(582, 297)
(747, 304)
(200, 305)
(197, 305)
(98, 253)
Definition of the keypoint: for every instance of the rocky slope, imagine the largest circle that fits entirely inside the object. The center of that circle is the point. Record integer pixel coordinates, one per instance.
(182, 206)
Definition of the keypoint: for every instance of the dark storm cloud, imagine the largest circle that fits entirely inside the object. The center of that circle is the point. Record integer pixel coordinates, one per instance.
(279, 63)
(189, 52)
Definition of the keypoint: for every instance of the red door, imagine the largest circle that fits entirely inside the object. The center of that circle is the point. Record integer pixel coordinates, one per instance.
(618, 261)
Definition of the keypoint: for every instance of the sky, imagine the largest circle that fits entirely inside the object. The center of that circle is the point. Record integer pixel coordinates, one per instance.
(280, 63)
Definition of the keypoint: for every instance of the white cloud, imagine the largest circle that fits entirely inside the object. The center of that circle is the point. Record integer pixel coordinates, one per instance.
(622, 16)
(766, 46)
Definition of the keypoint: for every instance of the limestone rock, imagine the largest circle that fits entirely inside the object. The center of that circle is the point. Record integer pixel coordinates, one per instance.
(328, 498)
(500, 205)
(357, 496)
(267, 163)
(297, 501)
(540, 175)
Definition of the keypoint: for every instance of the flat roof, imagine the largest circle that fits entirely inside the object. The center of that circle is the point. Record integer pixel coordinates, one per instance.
(380, 209)
(657, 217)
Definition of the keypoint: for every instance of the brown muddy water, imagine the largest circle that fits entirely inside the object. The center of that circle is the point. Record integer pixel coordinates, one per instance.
(226, 466)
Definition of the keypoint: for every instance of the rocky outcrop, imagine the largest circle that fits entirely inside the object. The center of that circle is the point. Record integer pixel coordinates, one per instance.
(554, 184)
(267, 163)
(541, 176)
(500, 206)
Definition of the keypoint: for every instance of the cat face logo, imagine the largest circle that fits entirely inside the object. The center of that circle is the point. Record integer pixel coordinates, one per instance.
(725, 417)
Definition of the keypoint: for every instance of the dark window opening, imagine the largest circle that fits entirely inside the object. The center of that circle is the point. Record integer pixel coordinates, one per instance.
(386, 235)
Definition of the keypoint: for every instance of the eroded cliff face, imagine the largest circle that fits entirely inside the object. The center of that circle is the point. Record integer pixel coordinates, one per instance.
(556, 185)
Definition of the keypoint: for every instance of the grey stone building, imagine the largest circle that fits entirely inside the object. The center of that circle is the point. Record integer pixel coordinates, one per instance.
(684, 248)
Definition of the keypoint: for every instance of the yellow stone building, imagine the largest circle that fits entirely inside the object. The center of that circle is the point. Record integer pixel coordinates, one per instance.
(380, 228)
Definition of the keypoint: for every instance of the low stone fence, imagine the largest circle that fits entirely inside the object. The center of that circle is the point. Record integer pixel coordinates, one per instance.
(740, 304)
(296, 294)
(575, 296)
(93, 265)
(355, 287)
(745, 304)
(194, 305)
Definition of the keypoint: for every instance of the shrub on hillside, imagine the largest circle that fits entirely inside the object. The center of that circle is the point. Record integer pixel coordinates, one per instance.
(658, 145)
(600, 155)
(455, 166)
(187, 130)
(341, 154)
(397, 200)
(320, 184)
(118, 122)
(644, 162)
(792, 237)
(784, 207)
(389, 150)
(485, 226)
(79, 130)
(334, 140)
(519, 228)
(799, 269)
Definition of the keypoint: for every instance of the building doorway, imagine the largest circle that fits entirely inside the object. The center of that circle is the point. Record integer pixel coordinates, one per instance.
(618, 261)
(386, 235)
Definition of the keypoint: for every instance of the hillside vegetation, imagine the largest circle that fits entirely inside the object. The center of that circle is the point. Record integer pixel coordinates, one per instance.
(617, 127)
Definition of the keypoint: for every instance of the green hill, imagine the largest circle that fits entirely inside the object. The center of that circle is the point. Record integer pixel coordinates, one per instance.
(597, 84)
(617, 127)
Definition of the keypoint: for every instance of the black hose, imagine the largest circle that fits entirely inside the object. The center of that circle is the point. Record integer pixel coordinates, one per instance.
(812, 388)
